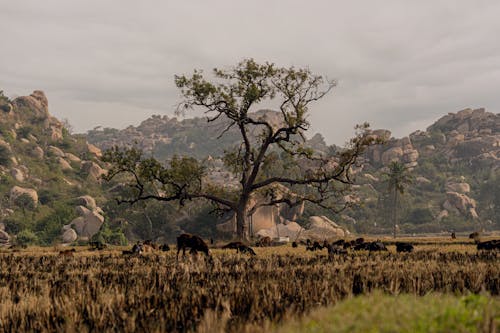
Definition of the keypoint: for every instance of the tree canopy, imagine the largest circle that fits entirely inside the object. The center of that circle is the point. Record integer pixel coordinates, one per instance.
(270, 161)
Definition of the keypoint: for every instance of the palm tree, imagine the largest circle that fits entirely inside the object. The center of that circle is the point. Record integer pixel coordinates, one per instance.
(398, 178)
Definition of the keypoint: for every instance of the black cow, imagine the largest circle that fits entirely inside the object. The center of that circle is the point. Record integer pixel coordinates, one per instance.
(489, 245)
(240, 247)
(193, 242)
(404, 247)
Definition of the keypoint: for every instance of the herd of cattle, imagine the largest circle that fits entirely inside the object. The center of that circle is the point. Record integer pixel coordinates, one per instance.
(196, 244)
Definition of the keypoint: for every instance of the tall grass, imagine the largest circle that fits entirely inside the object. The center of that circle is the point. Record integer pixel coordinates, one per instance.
(94, 292)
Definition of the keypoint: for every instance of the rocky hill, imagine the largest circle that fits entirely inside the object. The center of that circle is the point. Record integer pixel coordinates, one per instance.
(50, 179)
(164, 137)
(455, 165)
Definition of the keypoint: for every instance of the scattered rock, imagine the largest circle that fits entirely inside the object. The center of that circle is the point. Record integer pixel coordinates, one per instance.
(69, 236)
(63, 164)
(458, 187)
(87, 201)
(94, 150)
(54, 151)
(17, 191)
(93, 170)
(4, 238)
(17, 174)
(37, 152)
(73, 158)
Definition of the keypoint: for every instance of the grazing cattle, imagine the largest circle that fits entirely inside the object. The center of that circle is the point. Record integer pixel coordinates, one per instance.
(165, 247)
(315, 246)
(137, 249)
(453, 235)
(67, 253)
(264, 241)
(193, 242)
(371, 246)
(359, 240)
(335, 249)
(489, 245)
(240, 247)
(404, 247)
(475, 236)
(294, 244)
(377, 246)
(339, 242)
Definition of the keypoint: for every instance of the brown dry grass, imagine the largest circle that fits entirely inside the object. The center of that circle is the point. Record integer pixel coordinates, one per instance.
(104, 291)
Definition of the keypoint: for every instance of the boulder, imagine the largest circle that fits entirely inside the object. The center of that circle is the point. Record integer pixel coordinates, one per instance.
(458, 187)
(82, 211)
(93, 170)
(410, 155)
(93, 223)
(87, 201)
(442, 214)
(17, 191)
(36, 102)
(17, 174)
(69, 236)
(4, 237)
(422, 180)
(37, 152)
(371, 177)
(94, 150)
(55, 131)
(462, 203)
(63, 164)
(392, 154)
(73, 158)
(78, 224)
(54, 151)
(321, 227)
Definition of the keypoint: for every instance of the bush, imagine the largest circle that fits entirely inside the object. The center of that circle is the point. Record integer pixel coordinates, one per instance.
(5, 155)
(26, 237)
(111, 236)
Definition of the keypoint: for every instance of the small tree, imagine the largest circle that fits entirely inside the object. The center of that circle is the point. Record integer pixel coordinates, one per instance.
(398, 178)
(303, 176)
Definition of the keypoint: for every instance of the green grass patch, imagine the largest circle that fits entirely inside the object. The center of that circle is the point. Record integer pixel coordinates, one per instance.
(379, 312)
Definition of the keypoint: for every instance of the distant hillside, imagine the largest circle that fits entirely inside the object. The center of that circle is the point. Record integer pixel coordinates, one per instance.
(455, 164)
(53, 193)
(164, 137)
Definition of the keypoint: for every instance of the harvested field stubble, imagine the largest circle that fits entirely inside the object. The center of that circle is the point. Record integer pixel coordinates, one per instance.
(106, 292)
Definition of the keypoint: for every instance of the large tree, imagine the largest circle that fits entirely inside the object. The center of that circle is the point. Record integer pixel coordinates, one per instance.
(270, 160)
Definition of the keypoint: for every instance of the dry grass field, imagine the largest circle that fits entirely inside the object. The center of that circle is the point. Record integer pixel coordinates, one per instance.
(101, 291)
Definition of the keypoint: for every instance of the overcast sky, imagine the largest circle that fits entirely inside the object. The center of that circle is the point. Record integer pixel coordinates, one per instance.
(400, 64)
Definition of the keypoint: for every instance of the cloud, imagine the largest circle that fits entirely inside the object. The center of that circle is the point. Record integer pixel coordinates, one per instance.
(400, 65)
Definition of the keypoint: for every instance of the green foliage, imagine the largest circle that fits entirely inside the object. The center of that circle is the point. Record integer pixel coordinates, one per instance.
(108, 235)
(5, 156)
(26, 237)
(403, 313)
(49, 228)
(420, 216)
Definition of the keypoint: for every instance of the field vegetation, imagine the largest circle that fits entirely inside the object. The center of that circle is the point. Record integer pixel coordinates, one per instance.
(101, 291)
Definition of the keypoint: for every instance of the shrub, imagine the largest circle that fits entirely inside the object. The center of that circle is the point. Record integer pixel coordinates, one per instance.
(26, 237)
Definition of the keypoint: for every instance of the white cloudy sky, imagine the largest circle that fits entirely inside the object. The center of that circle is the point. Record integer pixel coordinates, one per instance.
(400, 64)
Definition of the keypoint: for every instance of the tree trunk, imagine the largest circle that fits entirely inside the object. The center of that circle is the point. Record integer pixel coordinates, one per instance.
(394, 212)
(242, 224)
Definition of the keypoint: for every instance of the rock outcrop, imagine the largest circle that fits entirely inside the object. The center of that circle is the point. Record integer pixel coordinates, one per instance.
(90, 220)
